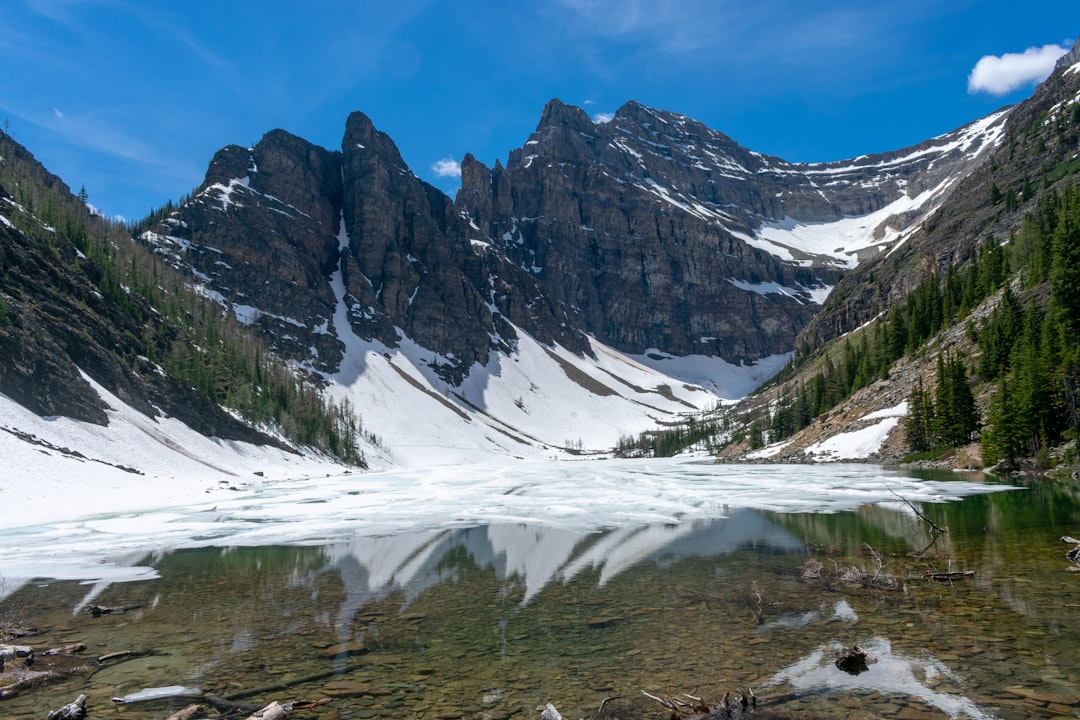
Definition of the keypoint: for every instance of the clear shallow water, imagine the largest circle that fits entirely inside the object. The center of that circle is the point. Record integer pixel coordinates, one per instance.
(452, 619)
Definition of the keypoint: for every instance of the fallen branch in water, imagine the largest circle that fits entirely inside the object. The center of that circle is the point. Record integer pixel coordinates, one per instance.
(816, 572)
(158, 693)
(65, 650)
(947, 576)
(99, 610)
(275, 710)
(187, 713)
(691, 707)
(125, 655)
(933, 526)
(604, 702)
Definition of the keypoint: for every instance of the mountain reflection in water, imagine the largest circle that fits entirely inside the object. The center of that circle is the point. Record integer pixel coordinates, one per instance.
(535, 556)
(497, 619)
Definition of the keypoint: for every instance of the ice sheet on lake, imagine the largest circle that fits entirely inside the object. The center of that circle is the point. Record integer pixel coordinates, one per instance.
(647, 503)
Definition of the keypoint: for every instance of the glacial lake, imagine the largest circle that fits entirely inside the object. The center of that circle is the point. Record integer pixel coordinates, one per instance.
(490, 591)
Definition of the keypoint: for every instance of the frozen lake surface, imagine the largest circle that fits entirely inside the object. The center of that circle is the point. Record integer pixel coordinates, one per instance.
(574, 497)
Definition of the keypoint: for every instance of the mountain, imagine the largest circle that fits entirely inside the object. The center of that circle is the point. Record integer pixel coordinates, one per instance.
(999, 248)
(58, 332)
(653, 231)
(110, 360)
(609, 278)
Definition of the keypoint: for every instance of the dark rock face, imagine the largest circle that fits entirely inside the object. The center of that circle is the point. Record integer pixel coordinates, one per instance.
(408, 263)
(637, 232)
(637, 227)
(262, 234)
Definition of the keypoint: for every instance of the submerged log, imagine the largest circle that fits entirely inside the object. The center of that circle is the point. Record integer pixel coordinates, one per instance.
(99, 610)
(125, 655)
(158, 693)
(65, 650)
(18, 632)
(946, 576)
(273, 711)
(691, 707)
(187, 713)
(11, 652)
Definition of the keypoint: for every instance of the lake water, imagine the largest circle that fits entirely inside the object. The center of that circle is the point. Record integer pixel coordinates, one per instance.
(489, 592)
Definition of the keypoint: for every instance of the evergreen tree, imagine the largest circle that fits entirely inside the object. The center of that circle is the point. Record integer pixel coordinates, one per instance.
(1001, 441)
(1065, 266)
(998, 335)
(920, 417)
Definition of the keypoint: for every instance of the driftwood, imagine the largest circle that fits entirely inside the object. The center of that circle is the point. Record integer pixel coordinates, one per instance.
(18, 632)
(691, 707)
(65, 650)
(933, 526)
(158, 693)
(948, 576)
(99, 610)
(125, 655)
(187, 713)
(275, 710)
(75, 710)
(11, 652)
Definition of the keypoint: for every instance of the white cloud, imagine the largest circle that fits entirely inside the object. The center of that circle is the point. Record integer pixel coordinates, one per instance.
(59, 115)
(447, 167)
(999, 75)
(603, 117)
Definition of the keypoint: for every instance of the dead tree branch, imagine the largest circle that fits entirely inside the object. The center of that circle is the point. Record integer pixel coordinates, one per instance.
(933, 526)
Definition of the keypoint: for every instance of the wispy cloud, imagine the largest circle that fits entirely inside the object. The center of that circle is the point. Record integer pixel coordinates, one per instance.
(447, 168)
(1001, 74)
(91, 134)
(603, 117)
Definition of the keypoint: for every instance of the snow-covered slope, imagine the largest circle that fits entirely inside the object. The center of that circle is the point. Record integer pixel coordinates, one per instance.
(542, 402)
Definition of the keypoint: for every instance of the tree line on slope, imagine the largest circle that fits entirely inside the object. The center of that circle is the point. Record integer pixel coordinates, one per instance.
(1030, 345)
(1028, 355)
(185, 337)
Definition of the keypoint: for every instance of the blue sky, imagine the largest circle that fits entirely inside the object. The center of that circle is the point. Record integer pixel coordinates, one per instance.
(131, 98)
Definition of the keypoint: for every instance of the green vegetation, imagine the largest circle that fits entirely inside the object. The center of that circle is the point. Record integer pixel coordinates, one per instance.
(1031, 346)
(173, 330)
(696, 431)
(949, 418)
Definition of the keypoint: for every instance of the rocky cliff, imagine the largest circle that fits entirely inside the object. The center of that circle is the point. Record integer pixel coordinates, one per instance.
(651, 233)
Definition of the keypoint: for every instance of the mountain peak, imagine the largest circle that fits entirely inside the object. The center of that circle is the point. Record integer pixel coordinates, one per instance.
(1070, 58)
(556, 112)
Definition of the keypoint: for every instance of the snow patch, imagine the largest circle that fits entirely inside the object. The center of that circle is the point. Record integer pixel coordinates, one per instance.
(854, 445)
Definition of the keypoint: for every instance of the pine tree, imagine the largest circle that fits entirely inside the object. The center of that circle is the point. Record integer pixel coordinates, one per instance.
(920, 417)
(1065, 266)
